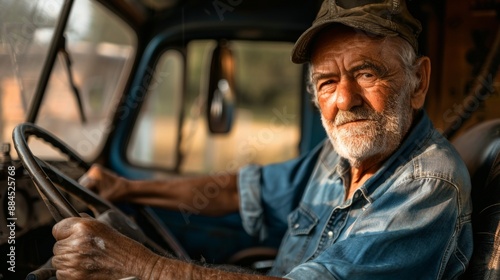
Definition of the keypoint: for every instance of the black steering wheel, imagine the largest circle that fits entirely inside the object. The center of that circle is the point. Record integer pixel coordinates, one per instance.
(45, 175)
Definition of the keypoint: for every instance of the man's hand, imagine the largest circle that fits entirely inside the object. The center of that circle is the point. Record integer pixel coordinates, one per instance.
(88, 249)
(105, 183)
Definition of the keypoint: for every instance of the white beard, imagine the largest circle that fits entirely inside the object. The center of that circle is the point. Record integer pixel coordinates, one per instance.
(377, 138)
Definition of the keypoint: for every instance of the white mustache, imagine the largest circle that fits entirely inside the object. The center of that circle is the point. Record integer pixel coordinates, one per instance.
(356, 114)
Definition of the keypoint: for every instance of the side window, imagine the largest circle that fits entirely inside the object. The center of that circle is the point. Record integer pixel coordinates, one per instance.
(154, 139)
(266, 127)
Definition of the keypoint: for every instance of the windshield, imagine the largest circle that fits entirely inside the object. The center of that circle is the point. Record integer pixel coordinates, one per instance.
(84, 84)
(27, 28)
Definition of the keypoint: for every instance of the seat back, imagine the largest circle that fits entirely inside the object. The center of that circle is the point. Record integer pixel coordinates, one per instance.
(480, 149)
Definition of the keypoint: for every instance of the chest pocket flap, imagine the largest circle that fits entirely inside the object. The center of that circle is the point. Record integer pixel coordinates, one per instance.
(302, 221)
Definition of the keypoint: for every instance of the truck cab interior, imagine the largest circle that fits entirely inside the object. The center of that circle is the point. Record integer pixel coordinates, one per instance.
(166, 88)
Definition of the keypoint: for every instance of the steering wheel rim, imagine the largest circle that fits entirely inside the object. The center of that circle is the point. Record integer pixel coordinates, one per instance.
(58, 205)
(41, 174)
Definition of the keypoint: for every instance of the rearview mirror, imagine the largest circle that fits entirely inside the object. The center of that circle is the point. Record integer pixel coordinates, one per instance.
(221, 100)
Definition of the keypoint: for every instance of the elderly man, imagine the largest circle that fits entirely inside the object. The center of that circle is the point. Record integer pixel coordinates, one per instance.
(385, 198)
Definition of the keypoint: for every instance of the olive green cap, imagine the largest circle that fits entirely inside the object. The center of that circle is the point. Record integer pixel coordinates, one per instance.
(379, 17)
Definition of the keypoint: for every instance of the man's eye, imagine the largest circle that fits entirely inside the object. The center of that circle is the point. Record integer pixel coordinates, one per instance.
(366, 77)
(325, 83)
(325, 88)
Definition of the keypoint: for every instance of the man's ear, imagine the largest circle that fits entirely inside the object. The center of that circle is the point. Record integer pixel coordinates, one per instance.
(423, 72)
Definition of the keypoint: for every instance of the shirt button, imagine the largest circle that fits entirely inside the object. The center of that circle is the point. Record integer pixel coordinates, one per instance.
(330, 234)
(296, 226)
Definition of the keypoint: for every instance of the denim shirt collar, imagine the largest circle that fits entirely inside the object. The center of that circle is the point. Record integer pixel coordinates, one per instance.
(419, 133)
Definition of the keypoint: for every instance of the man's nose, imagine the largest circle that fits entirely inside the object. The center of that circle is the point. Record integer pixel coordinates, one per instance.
(348, 94)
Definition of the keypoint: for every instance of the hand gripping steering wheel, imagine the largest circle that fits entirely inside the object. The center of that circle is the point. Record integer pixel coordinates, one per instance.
(44, 175)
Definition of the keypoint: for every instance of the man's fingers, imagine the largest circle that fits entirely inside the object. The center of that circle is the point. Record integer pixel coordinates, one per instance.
(66, 227)
(91, 177)
(87, 181)
(69, 266)
(101, 181)
(62, 230)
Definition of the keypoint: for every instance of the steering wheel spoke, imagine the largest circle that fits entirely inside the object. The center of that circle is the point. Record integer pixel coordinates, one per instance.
(71, 186)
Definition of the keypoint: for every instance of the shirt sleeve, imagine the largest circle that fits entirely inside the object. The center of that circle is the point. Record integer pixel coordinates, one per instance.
(397, 238)
(269, 193)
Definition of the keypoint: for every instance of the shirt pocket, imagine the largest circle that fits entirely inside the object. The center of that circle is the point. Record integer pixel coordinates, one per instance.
(302, 221)
(299, 242)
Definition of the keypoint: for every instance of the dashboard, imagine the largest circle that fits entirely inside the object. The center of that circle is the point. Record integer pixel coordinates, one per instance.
(20, 202)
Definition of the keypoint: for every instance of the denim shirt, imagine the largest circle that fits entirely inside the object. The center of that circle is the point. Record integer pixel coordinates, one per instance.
(410, 220)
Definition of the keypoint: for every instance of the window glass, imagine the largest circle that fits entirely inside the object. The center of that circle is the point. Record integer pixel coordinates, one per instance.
(101, 49)
(267, 116)
(155, 135)
(26, 29)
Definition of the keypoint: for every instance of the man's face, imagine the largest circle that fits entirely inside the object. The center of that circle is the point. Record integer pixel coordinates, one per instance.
(362, 94)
